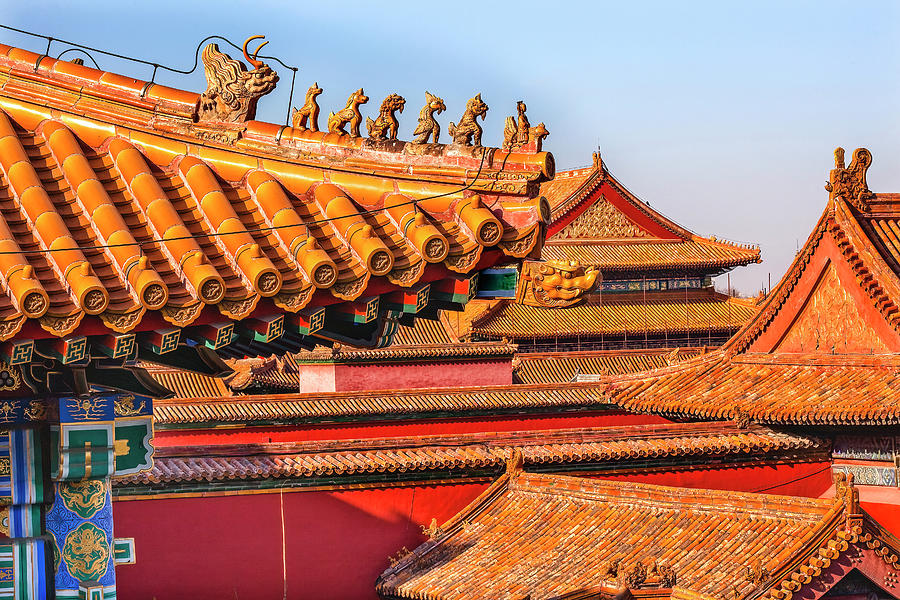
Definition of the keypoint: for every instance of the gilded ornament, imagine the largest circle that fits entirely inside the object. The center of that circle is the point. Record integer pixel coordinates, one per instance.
(849, 183)
(86, 552)
(88, 407)
(84, 498)
(348, 115)
(428, 125)
(232, 91)
(10, 378)
(307, 117)
(125, 406)
(4, 519)
(8, 410)
(5, 466)
(36, 410)
(468, 132)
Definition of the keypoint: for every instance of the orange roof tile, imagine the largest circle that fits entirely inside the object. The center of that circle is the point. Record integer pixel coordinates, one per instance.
(547, 536)
(769, 388)
(115, 203)
(560, 367)
(455, 453)
(713, 313)
(589, 223)
(376, 404)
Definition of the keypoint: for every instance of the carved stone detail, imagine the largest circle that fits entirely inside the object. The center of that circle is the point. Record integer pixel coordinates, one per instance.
(468, 132)
(462, 263)
(350, 290)
(348, 115)
(428, 125)
(849, 183)
(293, 301)
(238, 309)
(521, 246)
(307, 117)
(408, 275)
(386, 125)
(231, 90)
(11, 327)
(602, 220)
(831, 322)
(61, 325)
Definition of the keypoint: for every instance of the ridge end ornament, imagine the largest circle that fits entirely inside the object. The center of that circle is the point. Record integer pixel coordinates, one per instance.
(428, 125)
(468, 132)
(348, 115)
(232, 91)
(307, 116)
(849, 183)
(385, 126)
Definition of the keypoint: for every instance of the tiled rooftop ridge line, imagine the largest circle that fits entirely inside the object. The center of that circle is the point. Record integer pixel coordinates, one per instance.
(467, 451)
(120, 206)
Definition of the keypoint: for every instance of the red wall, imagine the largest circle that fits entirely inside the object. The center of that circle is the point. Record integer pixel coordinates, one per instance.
(336, 542)
(400, 428)
(406, 376)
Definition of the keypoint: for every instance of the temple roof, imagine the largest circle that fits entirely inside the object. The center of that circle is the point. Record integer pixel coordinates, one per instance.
(378, 404)
(124, 207)
(561, 367)
(825, 346)
(461, 452)
(596, 220)
(701, 312)
(551, 536)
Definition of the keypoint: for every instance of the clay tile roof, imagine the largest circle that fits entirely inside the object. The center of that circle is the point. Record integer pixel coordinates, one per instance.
(377, 404)
(711, 313)
(769, 388)
(546, 536)
(597, 221)
(561, 367)
(117, 205)
(462, 452)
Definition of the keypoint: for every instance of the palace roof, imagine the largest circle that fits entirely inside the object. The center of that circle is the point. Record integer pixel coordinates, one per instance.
(825, 346)
(125, 206)
(561, 367)
(379, 404)
(551, 536)
(596, 220)
(462, 452)
(700, 312)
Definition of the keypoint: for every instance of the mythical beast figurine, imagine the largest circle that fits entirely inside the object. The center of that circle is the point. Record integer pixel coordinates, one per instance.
(307, 117)
(349, 114)
(231, 90)
(386, 125)
(428, 125)
(468, 132)
(555, 283)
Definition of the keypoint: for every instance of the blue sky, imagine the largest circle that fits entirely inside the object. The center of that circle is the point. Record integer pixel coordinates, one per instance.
(722, 115)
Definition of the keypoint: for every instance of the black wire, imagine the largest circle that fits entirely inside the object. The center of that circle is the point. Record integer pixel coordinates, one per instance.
(155, 66)
(60, 55)
(266, 229)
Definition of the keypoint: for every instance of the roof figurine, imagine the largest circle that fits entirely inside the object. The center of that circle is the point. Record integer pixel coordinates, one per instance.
(849, 183)
(232, 91)
(348, 115)
(468, 132)
(555, 283)
(521, 133)
(386, 125)
(428, 125)
(307, 117)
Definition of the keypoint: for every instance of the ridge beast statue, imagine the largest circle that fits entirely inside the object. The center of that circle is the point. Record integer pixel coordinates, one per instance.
(555, 283)
(428, 125)
(850, 182)
(386, 125)
(307, 117)
(349, 114)
(231, 90)
(518, 135)
(468, 132)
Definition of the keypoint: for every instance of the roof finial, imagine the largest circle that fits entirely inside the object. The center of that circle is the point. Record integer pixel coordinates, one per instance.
(849, 183)
(515, 462)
